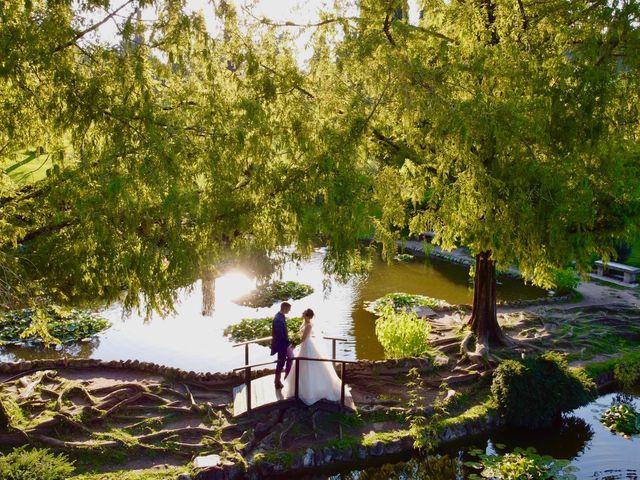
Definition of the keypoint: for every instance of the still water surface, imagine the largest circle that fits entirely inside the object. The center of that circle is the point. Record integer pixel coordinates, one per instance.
(594, 451)
(193, 341)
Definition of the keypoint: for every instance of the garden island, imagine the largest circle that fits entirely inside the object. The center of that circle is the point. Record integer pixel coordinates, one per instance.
(453, 187)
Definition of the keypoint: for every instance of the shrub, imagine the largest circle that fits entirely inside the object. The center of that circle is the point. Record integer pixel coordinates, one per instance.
(628, 373)
(534, 391)
(621, 418)
(254, 328)
(565, 281)
(402, 334)
(520, 465)
(273, 292)
(41, 464)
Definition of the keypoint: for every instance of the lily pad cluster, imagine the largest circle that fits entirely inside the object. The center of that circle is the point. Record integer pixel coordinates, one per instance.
(404, 302)
(520, 464)
(254, 328)
(622, 418)
(49, 325)
(403, 257)
(273, 292)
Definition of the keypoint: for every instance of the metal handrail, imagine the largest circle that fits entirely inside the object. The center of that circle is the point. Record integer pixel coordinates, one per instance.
(248, 342)
(247, 375)
(254, 365)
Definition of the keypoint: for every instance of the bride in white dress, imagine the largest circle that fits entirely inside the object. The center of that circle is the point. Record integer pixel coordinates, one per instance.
(317, 380)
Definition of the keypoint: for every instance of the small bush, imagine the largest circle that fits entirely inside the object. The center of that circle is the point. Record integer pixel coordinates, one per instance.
(271, 293)
(254, 328)
(402, 334)
(532, 392)
(565, 281)
(628, 373)
(520, 465)
(40, 464)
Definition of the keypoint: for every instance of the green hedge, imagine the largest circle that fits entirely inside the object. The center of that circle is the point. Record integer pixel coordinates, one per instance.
(532, 392)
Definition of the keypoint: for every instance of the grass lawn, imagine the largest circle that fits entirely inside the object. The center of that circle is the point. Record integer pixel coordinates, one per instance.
(27, 167)
(634, 257)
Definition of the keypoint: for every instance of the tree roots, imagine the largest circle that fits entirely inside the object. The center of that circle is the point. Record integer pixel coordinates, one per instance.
(45, 409)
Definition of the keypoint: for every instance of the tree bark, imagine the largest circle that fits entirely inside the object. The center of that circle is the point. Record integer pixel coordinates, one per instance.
(484, 319)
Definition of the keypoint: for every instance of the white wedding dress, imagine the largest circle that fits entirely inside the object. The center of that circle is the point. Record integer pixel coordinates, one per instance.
(317, 380)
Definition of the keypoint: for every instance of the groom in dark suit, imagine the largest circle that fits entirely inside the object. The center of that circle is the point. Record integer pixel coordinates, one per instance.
(280, 343)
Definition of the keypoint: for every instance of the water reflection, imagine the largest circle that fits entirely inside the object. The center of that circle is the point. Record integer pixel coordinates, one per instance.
(427, 468)
(597, 453)
(192, 338)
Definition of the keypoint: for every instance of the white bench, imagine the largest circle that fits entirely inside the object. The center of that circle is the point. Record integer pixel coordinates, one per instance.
(629, 273)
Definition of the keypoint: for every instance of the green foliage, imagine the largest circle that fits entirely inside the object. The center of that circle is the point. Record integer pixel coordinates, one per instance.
(273, 292)
(29, 464)
(51, 325)
(621, 418)
(565, 281)
(402, 302)
(521, 465)
(402, 334)
(254, 328)
(533, 391)
(628, 372)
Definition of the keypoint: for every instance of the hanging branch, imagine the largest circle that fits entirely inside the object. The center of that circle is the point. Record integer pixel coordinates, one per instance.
(91, 28)
(387, 32)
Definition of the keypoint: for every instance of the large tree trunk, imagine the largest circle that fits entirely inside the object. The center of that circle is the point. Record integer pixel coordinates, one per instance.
(484, 320)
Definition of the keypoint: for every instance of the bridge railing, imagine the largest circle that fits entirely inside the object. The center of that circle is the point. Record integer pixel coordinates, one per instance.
(264, 339)
(247, 375)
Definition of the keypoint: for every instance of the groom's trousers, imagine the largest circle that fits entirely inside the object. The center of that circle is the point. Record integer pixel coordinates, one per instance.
(284, 356)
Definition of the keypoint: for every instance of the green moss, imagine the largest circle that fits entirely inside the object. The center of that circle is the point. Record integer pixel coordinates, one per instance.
(472, 414)
(384, 437)
(149, 474)
(280, 458)
(343, 443)
(595, 369)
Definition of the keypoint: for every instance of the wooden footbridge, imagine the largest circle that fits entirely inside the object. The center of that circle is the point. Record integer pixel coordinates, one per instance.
(260, 393)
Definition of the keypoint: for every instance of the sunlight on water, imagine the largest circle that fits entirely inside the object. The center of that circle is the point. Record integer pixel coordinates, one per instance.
(192, 338)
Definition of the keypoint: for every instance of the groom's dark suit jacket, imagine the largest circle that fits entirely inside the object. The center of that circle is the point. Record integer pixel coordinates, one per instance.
(279, 334)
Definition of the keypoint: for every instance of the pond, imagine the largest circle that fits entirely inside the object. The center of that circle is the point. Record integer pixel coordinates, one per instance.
(194, 341)
(594, 451)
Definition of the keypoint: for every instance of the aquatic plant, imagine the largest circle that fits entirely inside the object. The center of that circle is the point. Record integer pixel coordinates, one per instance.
(254, 328)
(402, 302)
(534, 391)
(53, 324)
(521, 464)
(403, 257)
(271, 293)
(29, 464)
(402, 334)
(621, 418)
